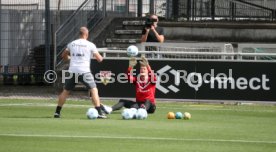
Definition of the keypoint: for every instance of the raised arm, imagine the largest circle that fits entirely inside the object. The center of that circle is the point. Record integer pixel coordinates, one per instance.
(160, 37)
(151, 74)
(145, 34)
(132, 63)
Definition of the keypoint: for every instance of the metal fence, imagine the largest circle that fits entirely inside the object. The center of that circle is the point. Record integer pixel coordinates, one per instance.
(221, 10)
(22, 37)
(23, 24)
(194, 10)
(88, 14)
(182, 10)
(218, 51)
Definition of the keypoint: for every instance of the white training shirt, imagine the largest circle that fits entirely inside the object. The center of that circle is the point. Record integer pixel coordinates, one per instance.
(81, 52)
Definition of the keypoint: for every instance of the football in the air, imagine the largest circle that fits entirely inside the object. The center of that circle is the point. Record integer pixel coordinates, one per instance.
(132, 51)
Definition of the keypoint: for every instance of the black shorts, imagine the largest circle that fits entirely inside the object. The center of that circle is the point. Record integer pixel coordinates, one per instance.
(87, 79)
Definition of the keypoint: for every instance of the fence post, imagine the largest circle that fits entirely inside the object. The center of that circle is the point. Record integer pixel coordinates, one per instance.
(151, 7)
(273, 14)
(140, 8)
(47, 34)
(233, 10)
(213, 11)
(189, 4)
(127, 8)
(104, 8)
(175, 9)
(95, 5)
(194, 10)
(168, 9)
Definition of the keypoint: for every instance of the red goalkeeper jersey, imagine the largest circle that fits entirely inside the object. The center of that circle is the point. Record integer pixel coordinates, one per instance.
(144, 90)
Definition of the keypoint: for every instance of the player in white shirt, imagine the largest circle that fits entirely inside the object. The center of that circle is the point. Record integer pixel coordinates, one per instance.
(80, 52)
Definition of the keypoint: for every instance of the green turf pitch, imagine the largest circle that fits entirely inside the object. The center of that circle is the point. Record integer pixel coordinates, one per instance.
(28, 126)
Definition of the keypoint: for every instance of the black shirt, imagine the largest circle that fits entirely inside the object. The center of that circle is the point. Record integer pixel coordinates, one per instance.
(151, 37)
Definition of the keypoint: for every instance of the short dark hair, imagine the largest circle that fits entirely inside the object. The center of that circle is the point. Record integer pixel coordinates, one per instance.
(82, 31)
(151, 15)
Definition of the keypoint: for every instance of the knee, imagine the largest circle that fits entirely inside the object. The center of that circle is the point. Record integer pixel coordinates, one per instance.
(65, 92)
(152, 109)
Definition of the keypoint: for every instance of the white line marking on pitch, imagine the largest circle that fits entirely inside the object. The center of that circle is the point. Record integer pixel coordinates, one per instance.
(159, 107)
(40, 105)
(140, 138)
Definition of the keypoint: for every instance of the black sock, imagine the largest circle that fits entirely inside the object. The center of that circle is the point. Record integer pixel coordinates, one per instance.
(58, 109)
(102, 107)
(99, 110)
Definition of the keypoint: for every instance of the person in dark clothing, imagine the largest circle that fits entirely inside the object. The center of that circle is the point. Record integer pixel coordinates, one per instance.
(153, 33)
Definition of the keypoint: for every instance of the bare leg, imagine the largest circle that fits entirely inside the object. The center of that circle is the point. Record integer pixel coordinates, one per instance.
(96, 100)
(62, 97)
(61, 100)
(95, 97)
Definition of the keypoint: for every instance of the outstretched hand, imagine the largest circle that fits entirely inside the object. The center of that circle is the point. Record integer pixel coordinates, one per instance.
(132, 62)
(144, 61)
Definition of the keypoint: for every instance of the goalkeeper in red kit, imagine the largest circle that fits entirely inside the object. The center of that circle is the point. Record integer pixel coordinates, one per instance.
(145, 85)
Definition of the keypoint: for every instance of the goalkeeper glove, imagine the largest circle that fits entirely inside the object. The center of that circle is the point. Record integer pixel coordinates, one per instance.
(144, 61)
(132, 62)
